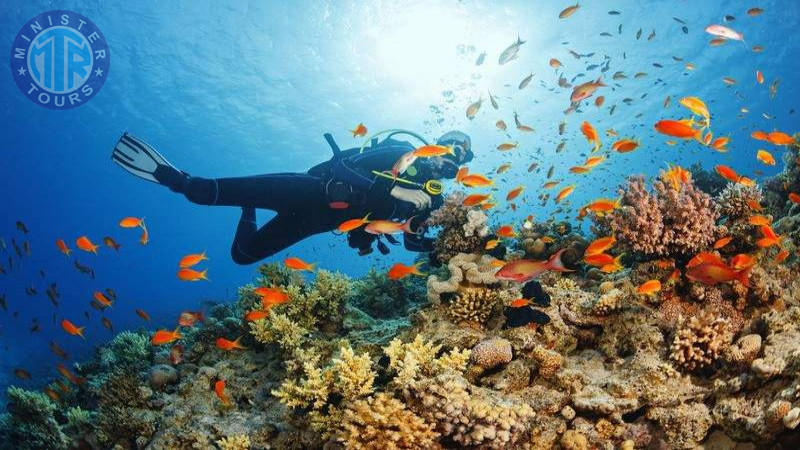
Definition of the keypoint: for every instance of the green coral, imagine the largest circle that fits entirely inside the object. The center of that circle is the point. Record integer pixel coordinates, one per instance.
(31, 422)
(383, 298)
(127, 351)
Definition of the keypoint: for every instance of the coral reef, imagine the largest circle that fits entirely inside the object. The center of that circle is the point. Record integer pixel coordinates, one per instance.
(30, 423)
(675, 222)
(463, 228)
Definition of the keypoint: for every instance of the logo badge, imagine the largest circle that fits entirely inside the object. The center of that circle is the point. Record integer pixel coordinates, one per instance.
(60, 59)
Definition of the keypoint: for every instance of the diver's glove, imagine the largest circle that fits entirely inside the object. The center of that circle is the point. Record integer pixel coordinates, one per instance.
(416, 197)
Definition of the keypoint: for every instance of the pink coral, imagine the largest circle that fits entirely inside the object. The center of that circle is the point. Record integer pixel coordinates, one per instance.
(668, 222)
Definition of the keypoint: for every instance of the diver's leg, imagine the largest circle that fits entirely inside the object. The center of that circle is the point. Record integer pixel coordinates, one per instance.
(278, 192)
(285, 229)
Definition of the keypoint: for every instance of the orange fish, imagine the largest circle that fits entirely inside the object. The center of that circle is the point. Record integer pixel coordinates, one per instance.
(593, 161)
(162, 337)
(400, 270)
(727, 173)
(722, 242)
(742, 261)
(131, 222)
(614, 266)
(192, 275)
(62, 247)
(677, 129)
(599, 259)
(227, 345)
(143, 315)
(779, 138)
(475, 199)
(664, 263)
(579, 169)
(794, 197)
(219, 389)
(189, 318)
(74, 379)
(102, 299)
(506, 231)
(720, 144)
(600, 245)
(384, 227)
(486, 206)
(770, 237)
(491, 244)
(650, 287)
(625, 145)
(192, 259)
(145, 237)
(176, 354)
(753, 204)
(711, 273)
(591, 135)
(462, 172)
(599, 101)
(781, 256)
(256, 314)
(522, 270)
(759, 77)
(564, 193)
(765, 157)
(359, 130)
(507, 146)
(429, 151)
(520, 302)
(759, 220)
(70, 328)
(86, 245)
(514, 193)
(759, 135)
(476, 180)
(295, 263)
(550, 184)
(271, 296)
(603, 205)
(586, 90)
(676, 175)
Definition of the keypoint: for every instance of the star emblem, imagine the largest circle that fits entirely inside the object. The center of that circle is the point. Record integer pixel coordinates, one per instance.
(98, 72)
(21, 71)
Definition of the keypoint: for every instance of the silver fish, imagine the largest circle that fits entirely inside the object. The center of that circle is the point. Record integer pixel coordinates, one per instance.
(510, 52)
(480, 59)
(493, 101)
(525, 81)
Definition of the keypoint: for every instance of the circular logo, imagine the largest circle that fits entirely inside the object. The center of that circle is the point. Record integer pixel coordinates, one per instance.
(60, 59)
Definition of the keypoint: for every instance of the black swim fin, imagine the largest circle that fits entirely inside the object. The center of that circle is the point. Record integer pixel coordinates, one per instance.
(141, 159)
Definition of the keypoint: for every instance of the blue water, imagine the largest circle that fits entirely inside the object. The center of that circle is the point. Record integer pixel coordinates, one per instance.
(249, 88)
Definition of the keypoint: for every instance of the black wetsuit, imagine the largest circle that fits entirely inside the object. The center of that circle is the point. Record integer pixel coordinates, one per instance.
(304, 203)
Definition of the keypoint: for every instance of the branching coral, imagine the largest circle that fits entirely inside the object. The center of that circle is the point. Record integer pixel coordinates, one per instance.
(278, 328)
(348, 376)
(238, 442)
(30, 423)
(412, 360)
(461, 231)
(736, 200)
(675, 222)
(473, 304)
(700, 341)
(469, 416)
(382, 422)
(127, 351)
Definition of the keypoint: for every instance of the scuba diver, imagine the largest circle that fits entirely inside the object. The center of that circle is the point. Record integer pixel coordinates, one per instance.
(352, 184)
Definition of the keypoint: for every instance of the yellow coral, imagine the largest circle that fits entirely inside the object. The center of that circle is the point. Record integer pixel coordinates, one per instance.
(700, 341)
(549, 361)
(414, 359)
(383, 423)
(473, 304)
(238, 442)
(354, 376)
(313, 390)
(280, 329)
